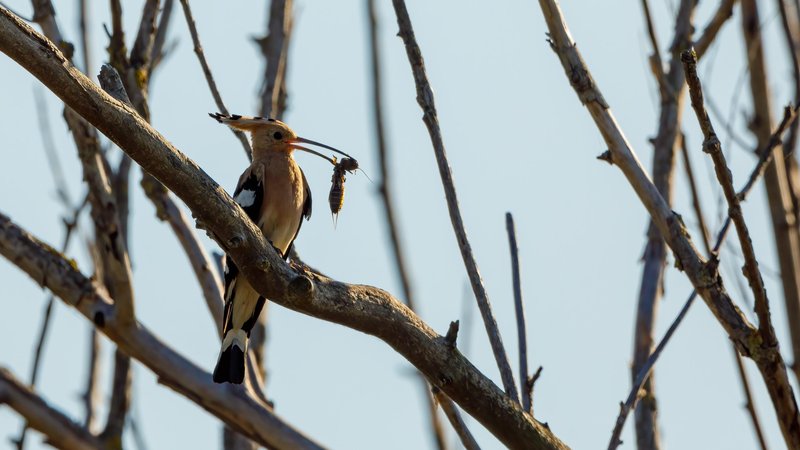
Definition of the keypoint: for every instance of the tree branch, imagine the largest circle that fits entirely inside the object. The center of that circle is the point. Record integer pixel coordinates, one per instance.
(712, 146)
(387, 200)
(275, 50)
(426, 102)
(363, 308)
(60, 430)
(525, 388)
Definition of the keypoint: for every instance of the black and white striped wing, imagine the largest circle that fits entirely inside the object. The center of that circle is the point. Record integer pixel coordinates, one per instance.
(249, 194)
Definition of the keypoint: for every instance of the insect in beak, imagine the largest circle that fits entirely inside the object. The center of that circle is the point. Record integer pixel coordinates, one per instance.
(309, 141)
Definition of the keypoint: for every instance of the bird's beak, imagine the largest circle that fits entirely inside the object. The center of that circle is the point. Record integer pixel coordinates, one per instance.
(309, 141)
(305, 149)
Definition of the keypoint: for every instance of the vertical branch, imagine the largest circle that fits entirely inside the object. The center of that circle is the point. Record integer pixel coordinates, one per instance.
(83, 20)
(525, 385)
(157, 53)
(712, 146)
(784, 221)
(274, 47)
(430, 118)
(698, 210)
(387, 200)
(453, 415)
(92, 392)
(672, 94)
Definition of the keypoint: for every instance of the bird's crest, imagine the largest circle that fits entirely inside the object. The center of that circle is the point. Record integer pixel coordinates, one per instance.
(243, 123)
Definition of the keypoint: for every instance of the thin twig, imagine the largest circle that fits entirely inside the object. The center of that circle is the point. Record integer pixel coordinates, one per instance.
(712, 146)
(454, 416)
(698, 211)
(92, 391)
(212, 85)
(672, 94)
(387, 201)
(274, 47)
(525, 389)
(712, 29)
(751, 410)
(83, 20)
(159, 51)
(644, 373)
(426, 102)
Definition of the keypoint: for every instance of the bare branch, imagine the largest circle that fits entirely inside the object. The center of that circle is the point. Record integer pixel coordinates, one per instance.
(451, 411)
(426, 102)
(672, 94)
(712, 146)
(387, 201)
(158, 51)
(212, 85)
(710, 32)
(92, 392)
(698, 211)
(143, 45)
(275, 49)
(519, 309)
(60, 430)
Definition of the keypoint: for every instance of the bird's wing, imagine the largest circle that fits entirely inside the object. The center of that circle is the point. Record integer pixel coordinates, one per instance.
(306, 212)
(249, 194)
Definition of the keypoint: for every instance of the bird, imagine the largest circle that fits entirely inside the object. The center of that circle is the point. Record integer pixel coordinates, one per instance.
(274, 193)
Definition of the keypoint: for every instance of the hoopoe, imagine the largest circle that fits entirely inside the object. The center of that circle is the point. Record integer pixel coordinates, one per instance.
(274, 193)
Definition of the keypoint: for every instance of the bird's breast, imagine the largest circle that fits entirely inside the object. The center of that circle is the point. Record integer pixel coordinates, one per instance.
(283, 200)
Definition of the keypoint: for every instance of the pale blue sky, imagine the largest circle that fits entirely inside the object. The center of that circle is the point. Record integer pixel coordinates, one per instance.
(518, 140)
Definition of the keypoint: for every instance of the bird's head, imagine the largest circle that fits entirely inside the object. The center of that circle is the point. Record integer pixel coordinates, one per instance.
(271, 135)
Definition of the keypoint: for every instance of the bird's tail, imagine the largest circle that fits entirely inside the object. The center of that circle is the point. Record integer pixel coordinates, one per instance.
(230, 365)
(242, 123)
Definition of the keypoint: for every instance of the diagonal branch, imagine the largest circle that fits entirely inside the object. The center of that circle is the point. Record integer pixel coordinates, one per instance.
(60, 430)
(712, 146)
(364, 308)
(426, 102)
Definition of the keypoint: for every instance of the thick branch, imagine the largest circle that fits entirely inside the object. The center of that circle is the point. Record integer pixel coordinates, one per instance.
(60, 430)
(364, 308)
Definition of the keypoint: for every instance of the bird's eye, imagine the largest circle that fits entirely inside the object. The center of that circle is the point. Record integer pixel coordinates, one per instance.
(278, 135)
